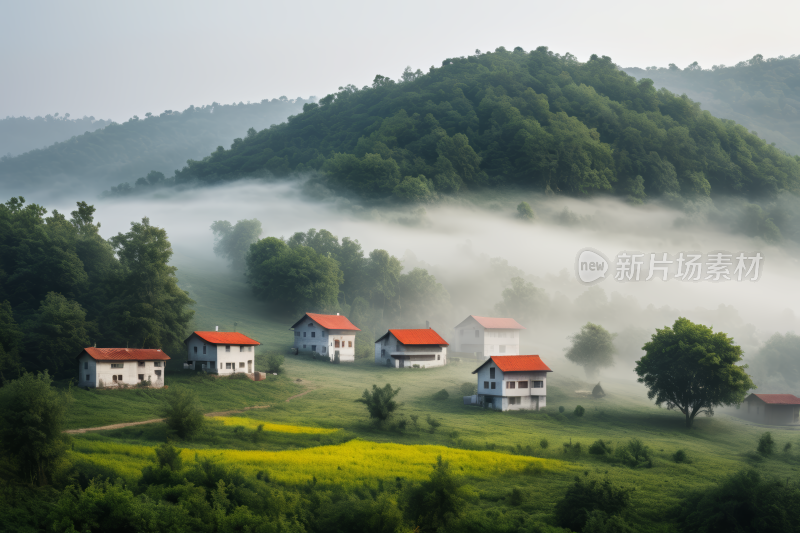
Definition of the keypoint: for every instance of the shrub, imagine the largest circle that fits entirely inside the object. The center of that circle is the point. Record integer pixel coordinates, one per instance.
(441, 395)
(579, 410)
(433, 423)
(525, 212)
(599, 522)
(680, 457)
(544, 444)
(468, 388)
(182, 414)
(766, 444)
(561, 409)
(516, 497)
(415, 421)
(573, 450)
(634, 454)
(787, 448)
(274, 363)
(168, 456)
(599, 447)
(584, 497)
(380, 403)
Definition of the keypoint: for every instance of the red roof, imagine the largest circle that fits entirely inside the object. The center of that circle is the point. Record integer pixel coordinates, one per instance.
(777, 399)
(225, 337)
(417, 336)
(497, 323)
(518, 363)
(330, 321)
(125, 354)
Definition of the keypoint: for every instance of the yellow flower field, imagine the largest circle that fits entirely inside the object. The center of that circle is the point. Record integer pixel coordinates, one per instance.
(353, 463)
(252, 423)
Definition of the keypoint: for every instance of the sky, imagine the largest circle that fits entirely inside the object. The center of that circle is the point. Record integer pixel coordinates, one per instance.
(119, 59)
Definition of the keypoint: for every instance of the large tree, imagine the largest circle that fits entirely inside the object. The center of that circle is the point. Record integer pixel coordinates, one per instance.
(592, 348)
(233, 241)
(690, 368)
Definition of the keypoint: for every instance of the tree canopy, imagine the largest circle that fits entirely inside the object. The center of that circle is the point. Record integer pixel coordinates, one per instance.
(531, 119)
(592, 348)
(233, 240)
(690, 368)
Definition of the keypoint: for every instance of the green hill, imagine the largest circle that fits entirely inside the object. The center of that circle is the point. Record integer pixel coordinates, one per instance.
(132, 149)
(532, 119)
(761, 94)
(22, 134)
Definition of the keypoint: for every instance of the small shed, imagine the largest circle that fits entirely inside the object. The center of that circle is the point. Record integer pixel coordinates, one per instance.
(773, 409)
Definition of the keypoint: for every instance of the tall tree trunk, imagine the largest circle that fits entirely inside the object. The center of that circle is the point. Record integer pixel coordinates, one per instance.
(689, 419)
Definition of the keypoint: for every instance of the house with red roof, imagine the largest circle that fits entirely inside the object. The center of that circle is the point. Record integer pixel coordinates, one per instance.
(332, 336)
(512, 382)
(117, 367)
(773, 409)
(221, 352)
(487, 336)
(404, 348)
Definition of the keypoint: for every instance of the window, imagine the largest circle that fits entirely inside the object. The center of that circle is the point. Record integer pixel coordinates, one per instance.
(204, 348)
(491, 373)
(158, 373)
(229, 366)
(538, 384)
(241, 365)
(492, 387)
(86, 365)
(227, 347)
(87, 377)
(116, 365)
(296, 333)
(313, 347)
(523, 384)
(335, 344)
(323, 349)
(477, 334)
(304, 334)
(349, 344)
(195, 349)
(241, 348)
(502, 348)
(383, 353)
(514, 400)
(313, 333)
(117, 377)
(485, 384)
(141, 377)
(158, 363)
(141, 363)
(511, 384)
(438, 357)
(304, 346)
(323, 333)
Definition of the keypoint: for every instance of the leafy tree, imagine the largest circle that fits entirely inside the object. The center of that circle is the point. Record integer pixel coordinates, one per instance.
(434, 504)
(233, 241)
(32, 416)
(151, 310)
(585, 497)
(592, 348)
(690, 368)
(413, 189)
(420, 296)
(168, 456)
(522, 300)
(766, 444)
(777, 361)
(274, 362)
(381, 279)
(525, 212)
(10, 343)
(182, 413)
(380, 402)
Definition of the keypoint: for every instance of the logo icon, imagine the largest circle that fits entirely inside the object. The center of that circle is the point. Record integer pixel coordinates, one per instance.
(591, 266)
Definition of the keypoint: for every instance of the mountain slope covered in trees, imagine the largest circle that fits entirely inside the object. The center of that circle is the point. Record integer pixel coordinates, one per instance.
(761, 94)
(22, 134)
(132, 149)
(532, 119)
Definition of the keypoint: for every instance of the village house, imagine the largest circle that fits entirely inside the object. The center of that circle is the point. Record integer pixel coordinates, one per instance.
(333, 336)
(773, 409)
(117, 367)
(487, 336)
(511, 382)
(403, 348)
(221, 352)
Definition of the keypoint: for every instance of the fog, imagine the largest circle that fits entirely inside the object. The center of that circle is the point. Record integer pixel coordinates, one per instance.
(474, 246)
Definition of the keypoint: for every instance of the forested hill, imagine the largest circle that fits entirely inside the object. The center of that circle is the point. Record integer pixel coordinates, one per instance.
(156, 142)
(533, 119)
(21, 134)
(761, 94)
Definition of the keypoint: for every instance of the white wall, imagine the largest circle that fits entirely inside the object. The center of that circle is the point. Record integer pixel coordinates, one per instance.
(220, 361)
(323, 341)
(528, 396)
(101, 373)
(487, 342)
(390, 346)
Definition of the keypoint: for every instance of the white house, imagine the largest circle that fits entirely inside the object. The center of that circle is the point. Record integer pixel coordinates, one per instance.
(487, 336)
(115, 367)
(333, 336)
(512, 382)
(402, 348)
(221, 352)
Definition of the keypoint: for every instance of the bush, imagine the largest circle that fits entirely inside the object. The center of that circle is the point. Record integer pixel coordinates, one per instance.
(634, 454)
(573, 450)
(544, 444)
(581, 499)
(433, 423)
(600, 522)
(182, 414)
(380, 403)
(766, 445)
(680, 457)
(274, 363)
(525, 212)
(787, 448)
(441, 395)
(516, 497)
(599, 447)
(561, 409)
(168, 456)
(468, 388)
(579, 411)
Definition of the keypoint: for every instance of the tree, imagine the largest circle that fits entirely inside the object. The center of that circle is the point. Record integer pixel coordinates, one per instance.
(32, 416)
(380, 403)
(151, 310)
(413, 190)
(420, 296)
(381, 277)
(233, 241)
(10, 343)
(690, 368)
(585, 497)
(182, 413)
(523, 300)
(592, 348)
(435, 503)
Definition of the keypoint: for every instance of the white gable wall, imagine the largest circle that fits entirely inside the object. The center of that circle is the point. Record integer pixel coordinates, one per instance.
(221, 358)
(309, 336)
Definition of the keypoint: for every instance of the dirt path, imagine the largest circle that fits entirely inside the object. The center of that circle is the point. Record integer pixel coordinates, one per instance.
(154, 420)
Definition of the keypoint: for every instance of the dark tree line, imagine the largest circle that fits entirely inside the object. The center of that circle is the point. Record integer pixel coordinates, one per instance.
(63, 288)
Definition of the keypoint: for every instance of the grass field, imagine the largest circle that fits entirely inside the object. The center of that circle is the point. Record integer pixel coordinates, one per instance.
(310, 436)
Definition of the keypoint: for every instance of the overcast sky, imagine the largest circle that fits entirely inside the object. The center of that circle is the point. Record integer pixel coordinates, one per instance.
(117, 59)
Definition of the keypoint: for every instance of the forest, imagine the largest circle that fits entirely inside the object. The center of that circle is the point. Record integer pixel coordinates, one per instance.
(762, 94)
(23, 134)
(159, 142)
(535, 120)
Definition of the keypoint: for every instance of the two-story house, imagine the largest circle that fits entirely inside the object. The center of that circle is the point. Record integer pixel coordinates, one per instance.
(403, 348)
(221, 352)
(117, 367)
(333, 336)
(487, 336)
(512, 382)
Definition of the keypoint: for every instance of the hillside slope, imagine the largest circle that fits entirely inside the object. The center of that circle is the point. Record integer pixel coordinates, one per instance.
(537, 120)
(22, 134)
(132, 149)
(761, 94)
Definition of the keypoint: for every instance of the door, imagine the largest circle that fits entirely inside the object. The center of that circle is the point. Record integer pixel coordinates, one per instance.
(401, 362)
